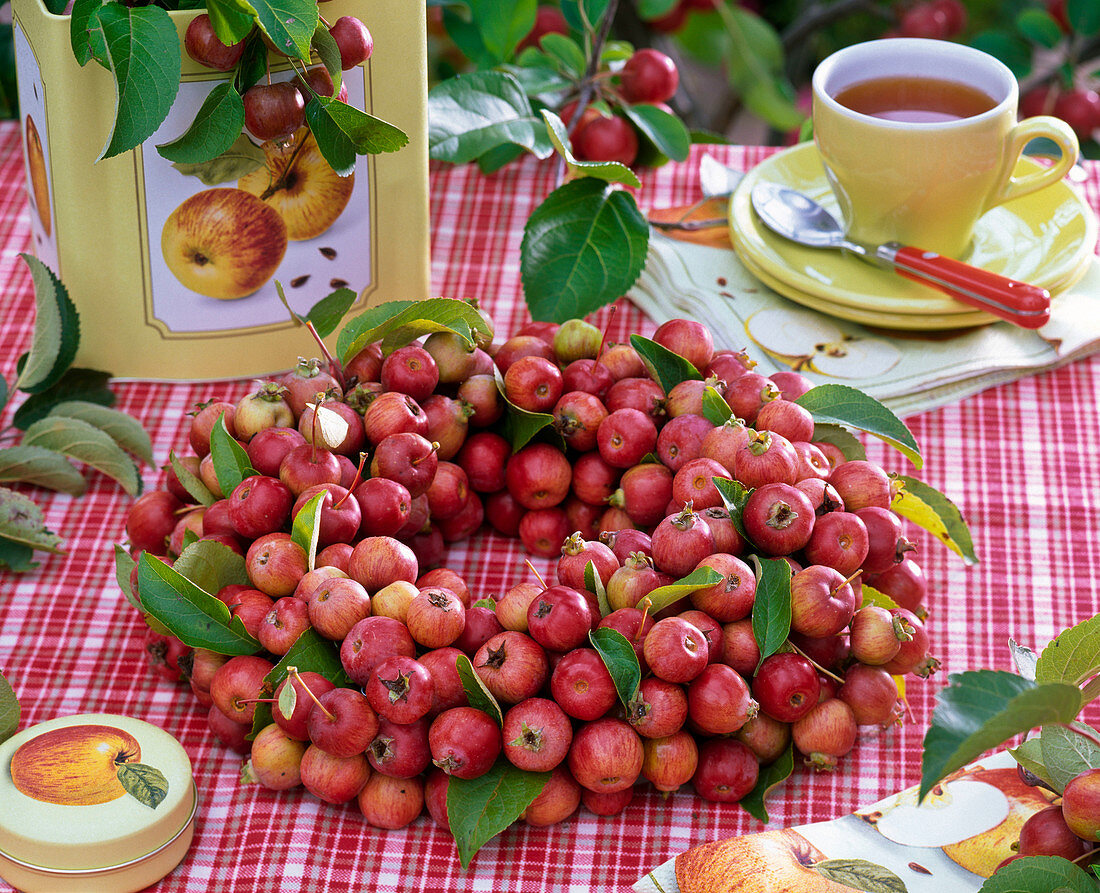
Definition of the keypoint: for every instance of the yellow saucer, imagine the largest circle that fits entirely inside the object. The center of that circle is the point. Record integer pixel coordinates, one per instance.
(1046, 238)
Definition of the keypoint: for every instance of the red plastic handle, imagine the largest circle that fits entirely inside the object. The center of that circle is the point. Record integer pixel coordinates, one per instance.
(1017, 302)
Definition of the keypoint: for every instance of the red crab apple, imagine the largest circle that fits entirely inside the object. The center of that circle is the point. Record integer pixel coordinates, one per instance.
(259, 505)
(464, 741)
(273, 111)
(649, 76)
(512, 665)
(557, 801)
(786, 687)
(658, 708)
(237, 684)
(400, 749)
(825, 734)
(401, 689)
(203, 45)
(342, 723)
(675, 650)
(670, 762)
(391, 803)
(606, 755)
(74, 765)
(333, 779)
(407, 458)
(727, 770)
(371, 641)
(536, 734)
(353, 39)
(582, 685)
(1081, 805)
(276, 759)
(150, 521)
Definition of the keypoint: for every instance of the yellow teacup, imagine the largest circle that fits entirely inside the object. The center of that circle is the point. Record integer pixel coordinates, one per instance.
(917, 162)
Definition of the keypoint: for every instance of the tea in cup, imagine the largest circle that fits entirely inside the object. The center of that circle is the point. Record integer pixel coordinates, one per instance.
(919, 138)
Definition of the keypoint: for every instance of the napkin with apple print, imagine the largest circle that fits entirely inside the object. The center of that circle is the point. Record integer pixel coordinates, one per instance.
(953, 841)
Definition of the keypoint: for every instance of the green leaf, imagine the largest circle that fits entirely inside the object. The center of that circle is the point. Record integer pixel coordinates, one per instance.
(927, 507)
(648, 10)
(307, 527)
(5, 394)
(768, 99)
(211, 565)
(734, 496)
(502, 25)
(608, 171)
(191, 483)
(715, 408)
(216, 127)
(842, 439)
(342, 131)
(566, 51)
(1066, 754)
(40, 467)
(328, 51)
(9, 710)
(241, 158)
(476, 693)
(667, 132)
(144, 783)
(1030, 755)
(232, 20)
(327, 313)
(1073, 655)
(770, 777)
(289, 24)
(79, 440)
(872, 596)
(1010, 48)
(1083, 16)
(193, 615)
(663, 596)
(1038, 26)
(484, 603)
(311, 653)
(583, 246)
(470, 114)
(579, 12)
(667, 368)
(479, 809)
(143, 52)
(771, 610)
(124, 566)
(594, 584)
(16, 556)
(982, 709)
(86, 44)
(859, 874)
(123, 428)
(231, 462)
(56, 331)
(396, 320)
(621, 660)
(843, 405)
(89, 385)
(1040, 874)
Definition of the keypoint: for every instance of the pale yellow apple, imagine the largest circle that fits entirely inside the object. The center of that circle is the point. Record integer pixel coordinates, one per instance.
(36, 162)
(223, 243)
(74, 765)
(298, 182)
(393, 600)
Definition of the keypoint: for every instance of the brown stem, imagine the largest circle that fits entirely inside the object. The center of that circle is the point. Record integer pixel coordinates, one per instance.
(538, 576)
(816, 665)
(293, 671)
(278, 183)
(647, 603)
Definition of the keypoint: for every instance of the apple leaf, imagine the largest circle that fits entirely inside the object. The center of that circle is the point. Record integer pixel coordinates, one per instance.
(928, 508)
(143, 52)
(328, 51)
(477, 693)
(1023, 658)
(16, 556)
(81, 441)
(520, 425)
(621, 660)
(332, 427)
(980, 710)
(42, 468)
(312, 653)
(190, 482)
(715, 408)
(232, 20)
(663, 596)
(56, 331)
(1040, 874)
(217, 125)
(565, 52)
(21, 523)
(327, 313)
(594, 584)
(9, 710)
(1067, 753)
(231, 462)
(471, 114)
(242, 157)
(193, 615)
(609, 171)
(401, 322)
(306, 527)
(840, 404)
(771, 610)
(872, 596)
(770, 777)
(86, 43)
(342, 131)
(1073, 655)
(144, 783)
(843, 439)
(123, 428)
(1030, 755)
(75, 384)
(479, 809)
(665, 131)
(210, 565)
(484, 603)
(859, 874)
(124, 565)
(583, 247)
(734, 496)
(667, 368)
(289, 24)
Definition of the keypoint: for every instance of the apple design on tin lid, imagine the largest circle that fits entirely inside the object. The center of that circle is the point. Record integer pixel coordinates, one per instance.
(85, 765)
(808, 341)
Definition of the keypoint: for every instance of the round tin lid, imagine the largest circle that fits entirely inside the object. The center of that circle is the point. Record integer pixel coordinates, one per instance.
(92, 791)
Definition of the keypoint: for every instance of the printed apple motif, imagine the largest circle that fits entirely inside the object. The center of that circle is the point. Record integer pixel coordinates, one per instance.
(807, 341)
(74, 765)
(36, 162)
(298, 182)
(224, 243)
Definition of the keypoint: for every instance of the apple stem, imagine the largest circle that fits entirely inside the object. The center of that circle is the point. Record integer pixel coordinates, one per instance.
(418, 460)
(281, 182)
(647, 603)
(354, 481)
(606, 326)
(293, 671)
(320, 399)
(538, 576)
(846, 582)
(816, 665)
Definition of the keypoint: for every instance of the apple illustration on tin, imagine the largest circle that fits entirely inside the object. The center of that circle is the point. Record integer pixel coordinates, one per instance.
(39, 180)
(85, 765)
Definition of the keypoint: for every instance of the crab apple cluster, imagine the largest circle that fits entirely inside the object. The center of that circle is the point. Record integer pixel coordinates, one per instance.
(403, 453)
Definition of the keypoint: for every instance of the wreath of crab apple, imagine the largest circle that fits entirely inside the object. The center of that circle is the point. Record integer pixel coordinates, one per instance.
(732, 581)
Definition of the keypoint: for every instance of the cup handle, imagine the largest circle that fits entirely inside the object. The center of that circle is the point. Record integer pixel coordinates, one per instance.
(1048, 127)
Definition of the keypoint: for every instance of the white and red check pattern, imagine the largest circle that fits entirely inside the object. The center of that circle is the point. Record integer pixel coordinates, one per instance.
(1020, 460)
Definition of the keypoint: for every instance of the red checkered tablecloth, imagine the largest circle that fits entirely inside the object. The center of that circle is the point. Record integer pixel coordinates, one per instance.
(1020, 460)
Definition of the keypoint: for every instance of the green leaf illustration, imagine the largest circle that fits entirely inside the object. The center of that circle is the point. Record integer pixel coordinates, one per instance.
(840, 404)
(770, 777)
(144, 783)
(56, 331)
(982, 709)
(1073, 655)
(583, 247)
(42, 468)
(928, 508)
(241, 158)
(81, 441)
(216, 127)
(621, 660)
(859, 874)
(479, 809)
(9, 710)
(476, 692)
(123, 428)
(667, 368)
(771, 610)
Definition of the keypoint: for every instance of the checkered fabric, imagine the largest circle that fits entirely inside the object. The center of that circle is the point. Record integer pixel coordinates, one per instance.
(1020, 460)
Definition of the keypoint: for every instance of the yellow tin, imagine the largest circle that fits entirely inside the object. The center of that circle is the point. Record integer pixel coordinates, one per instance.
(93, 803)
